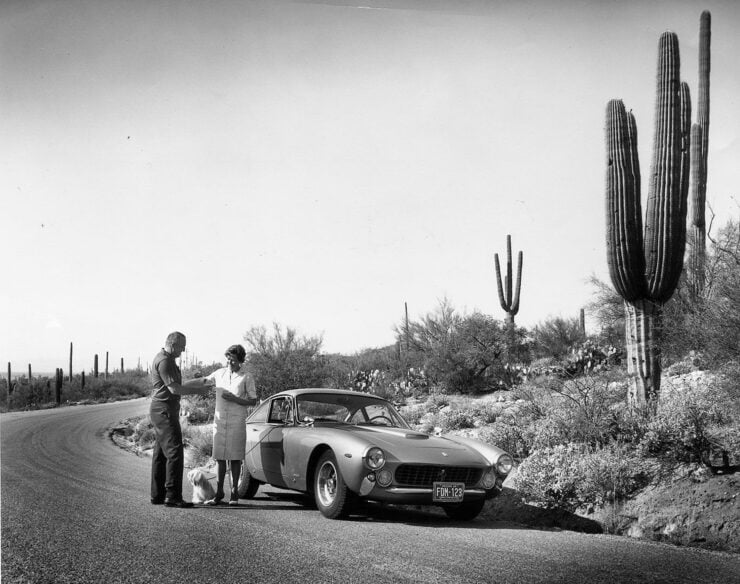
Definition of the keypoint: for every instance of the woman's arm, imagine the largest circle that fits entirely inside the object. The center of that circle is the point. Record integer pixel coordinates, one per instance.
(228, 396)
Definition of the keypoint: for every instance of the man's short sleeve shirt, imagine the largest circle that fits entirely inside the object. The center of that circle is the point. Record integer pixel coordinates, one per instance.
(165, 372)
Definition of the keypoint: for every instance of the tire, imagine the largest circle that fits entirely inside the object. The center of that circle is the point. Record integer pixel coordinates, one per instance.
(466, 511)
(331, 494)
(248, 485)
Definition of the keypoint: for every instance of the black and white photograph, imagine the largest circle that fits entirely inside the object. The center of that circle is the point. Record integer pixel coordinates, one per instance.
(370, 291)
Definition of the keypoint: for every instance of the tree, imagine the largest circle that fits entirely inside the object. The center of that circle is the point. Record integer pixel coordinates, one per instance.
(462, 353)
(284, 360)
(555, 337)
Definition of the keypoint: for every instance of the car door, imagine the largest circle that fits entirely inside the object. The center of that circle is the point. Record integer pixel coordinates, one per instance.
(272, 440)
(257, 428)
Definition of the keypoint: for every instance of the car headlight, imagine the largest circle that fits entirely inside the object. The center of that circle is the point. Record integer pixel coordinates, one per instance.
(504, 464)
(489, 479)
(375, 458)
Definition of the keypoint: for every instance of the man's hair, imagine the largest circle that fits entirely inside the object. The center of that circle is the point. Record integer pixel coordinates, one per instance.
(173, 338)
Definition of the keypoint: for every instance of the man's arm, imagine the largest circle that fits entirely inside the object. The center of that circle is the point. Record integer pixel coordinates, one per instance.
(199, 386)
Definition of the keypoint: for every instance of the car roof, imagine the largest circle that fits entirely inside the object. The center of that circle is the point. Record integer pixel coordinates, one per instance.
(309, 390)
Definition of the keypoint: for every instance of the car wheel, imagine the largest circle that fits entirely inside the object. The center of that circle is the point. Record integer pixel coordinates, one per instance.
(466, 511)
(248, 485)
(332, 496)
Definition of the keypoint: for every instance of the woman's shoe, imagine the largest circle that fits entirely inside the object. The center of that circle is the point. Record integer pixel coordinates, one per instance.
(214, 501)
(234, 502)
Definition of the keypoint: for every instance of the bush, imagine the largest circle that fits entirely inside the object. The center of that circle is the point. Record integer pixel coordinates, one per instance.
(456, 420)
(284, 360)
(572, 476)
(692, 420)
(461, 353)
(507, 435)
(550, 477)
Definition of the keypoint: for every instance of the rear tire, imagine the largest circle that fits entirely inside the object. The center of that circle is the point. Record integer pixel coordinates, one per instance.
(466, 511)
(333, 497)
(248, 485)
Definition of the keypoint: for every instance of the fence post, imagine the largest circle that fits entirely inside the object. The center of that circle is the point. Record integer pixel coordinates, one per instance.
(95, 367)
(106, 364)
(82, 382)
(10, 383)
(121, 364)
(70, 363)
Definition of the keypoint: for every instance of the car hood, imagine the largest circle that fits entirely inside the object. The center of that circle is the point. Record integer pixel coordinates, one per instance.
(412, 446)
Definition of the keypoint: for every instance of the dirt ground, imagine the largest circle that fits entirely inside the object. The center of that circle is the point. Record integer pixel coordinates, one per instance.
(697, 510)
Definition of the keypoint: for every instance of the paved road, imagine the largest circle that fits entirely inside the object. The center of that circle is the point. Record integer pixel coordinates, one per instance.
(75, 508)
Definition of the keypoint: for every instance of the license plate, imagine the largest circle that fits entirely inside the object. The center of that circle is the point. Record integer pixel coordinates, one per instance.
(448, 492)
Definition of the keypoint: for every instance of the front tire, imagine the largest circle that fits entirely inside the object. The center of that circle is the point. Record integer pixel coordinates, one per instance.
(333, 497)
(248, 485)
(466, 511)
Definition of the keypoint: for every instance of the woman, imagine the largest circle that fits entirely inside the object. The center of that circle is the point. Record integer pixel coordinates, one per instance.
(234, 392)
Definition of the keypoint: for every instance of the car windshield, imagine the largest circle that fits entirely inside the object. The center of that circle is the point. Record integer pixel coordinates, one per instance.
(348, 409)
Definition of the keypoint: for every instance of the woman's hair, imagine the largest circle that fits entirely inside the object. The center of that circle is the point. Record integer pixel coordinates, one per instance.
(238, 352)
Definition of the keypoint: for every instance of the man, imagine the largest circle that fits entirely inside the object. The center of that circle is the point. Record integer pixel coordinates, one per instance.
(168, 454)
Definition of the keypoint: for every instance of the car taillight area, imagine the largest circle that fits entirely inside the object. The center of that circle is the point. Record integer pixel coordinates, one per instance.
(424, 475)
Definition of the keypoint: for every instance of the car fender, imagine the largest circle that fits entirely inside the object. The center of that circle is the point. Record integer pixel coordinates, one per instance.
(348, 451)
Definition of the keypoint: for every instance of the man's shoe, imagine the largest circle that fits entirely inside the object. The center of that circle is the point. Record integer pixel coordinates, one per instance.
(157, 501)
(177, 503)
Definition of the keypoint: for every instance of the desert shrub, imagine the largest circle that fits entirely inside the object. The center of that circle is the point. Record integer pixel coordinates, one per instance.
(413, 413)
(572, 476)
(506, 434)
(450, 419)
(610, 474)
(436, 401)
(550, 477)
(462, 353)
(691, 420)
(554, 337)
(198, 409)
(200, 439)
(581, 410)
(29, 396)
(143, 433)
(281, 359)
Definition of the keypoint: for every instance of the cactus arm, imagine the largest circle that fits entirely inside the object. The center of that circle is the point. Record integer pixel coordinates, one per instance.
(499, 286)
(515, 301)
(680, 218)
(509, 283)
(699, 156)
(702, 111)
(623, 213)
(665, 190)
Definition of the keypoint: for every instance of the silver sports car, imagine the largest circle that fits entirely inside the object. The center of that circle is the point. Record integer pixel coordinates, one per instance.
(342, 446)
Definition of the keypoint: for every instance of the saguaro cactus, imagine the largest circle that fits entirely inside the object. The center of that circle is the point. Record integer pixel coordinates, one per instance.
(645, 267)
(699, 156)
(509, 302)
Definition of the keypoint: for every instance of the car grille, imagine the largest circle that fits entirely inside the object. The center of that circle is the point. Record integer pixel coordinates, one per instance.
(423, 475)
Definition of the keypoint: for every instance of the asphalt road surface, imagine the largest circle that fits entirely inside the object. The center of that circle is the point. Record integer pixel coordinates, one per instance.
(75, 508)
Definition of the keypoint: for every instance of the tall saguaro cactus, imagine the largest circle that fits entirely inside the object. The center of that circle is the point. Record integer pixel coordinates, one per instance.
(645, 266)
(509, 302)
(699, 152)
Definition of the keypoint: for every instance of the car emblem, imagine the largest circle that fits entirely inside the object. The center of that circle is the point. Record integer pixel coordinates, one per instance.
(444, 454)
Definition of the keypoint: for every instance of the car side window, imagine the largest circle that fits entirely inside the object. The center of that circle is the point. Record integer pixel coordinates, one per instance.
(260, 413)
(281, 411)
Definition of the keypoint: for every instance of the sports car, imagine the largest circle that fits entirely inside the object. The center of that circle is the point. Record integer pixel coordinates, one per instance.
(342, 446)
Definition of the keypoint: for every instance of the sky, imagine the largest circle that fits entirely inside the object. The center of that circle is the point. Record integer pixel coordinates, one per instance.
(210, 166)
